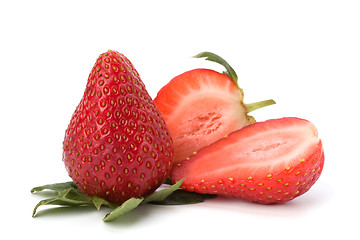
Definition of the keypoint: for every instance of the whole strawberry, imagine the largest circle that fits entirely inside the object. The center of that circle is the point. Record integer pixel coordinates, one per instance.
(117, 145)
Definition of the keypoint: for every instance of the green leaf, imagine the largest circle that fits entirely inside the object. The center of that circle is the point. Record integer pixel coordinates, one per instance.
(132, 203)
(68, 194)
(67, 197)
(175, 196)
(98, 202)
(215, 58)
(127, 206)
(181, 197)
(74, 197)
(50, 201)
(162, 194)
(254, 106)
(55, 187)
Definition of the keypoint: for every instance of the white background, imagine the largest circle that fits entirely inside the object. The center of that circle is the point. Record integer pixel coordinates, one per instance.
(303, 54)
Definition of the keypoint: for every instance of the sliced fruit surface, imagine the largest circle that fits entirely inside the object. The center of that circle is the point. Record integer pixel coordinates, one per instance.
(267, 162)
(199, 107)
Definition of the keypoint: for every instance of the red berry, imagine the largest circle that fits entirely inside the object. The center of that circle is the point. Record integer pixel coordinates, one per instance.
(117, 145)
(201, 106)
(266, 162)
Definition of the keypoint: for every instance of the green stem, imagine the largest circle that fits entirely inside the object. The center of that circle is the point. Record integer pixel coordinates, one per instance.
(215, 58)
(253, 106)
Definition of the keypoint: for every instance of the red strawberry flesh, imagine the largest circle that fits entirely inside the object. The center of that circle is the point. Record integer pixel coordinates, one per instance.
(197, 113)
(256, 159)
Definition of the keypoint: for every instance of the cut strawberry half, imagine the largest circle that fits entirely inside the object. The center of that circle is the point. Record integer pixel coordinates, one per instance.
(201, 106)
(267, 162)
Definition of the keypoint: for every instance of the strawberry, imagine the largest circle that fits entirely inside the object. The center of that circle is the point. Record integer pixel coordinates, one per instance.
(117, 145)
(266, 162)
(201, 106)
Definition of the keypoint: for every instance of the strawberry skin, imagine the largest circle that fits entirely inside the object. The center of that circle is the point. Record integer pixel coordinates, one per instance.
(117, 145)
(267, 162)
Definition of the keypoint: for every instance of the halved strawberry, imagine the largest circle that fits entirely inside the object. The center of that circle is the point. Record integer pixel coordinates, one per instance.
(201, 106)
(267, 162)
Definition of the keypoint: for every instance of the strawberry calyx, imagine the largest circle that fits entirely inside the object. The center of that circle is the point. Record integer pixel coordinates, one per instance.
(232, 74)
(216, 58)
(68, 194)
(256, 105)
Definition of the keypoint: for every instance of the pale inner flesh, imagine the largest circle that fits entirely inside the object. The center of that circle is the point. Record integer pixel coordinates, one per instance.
(264, 152)
(206, 119)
